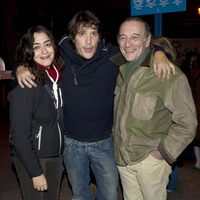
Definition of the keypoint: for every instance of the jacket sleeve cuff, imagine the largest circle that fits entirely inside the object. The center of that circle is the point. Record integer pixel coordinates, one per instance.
(169, 159)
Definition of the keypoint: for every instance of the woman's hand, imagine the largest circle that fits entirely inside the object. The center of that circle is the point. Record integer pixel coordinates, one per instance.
(40, 183)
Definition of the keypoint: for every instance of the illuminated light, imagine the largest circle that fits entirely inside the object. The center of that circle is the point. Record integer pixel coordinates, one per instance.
(199, 10)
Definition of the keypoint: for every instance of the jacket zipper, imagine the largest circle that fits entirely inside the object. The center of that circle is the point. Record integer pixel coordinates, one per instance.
(60, 137)
(39, 135)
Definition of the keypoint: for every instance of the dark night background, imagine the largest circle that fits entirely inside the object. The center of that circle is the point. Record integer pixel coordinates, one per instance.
(16, 16)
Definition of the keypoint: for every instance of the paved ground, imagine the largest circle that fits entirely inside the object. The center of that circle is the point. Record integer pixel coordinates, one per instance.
(188, 188)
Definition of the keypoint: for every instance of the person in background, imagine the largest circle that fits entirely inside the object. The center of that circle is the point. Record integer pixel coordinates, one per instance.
(35, 124)
(173, 178)
(191, 67)
(88, 81)
(154, 120)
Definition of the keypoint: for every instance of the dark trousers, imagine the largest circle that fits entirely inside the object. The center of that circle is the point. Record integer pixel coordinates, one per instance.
(52, 168)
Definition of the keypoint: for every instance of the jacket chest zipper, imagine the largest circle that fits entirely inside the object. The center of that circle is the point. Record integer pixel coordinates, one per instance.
(39, 135)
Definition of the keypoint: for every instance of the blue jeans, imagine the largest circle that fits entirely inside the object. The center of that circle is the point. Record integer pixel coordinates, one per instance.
(173, 179)
(79, 157)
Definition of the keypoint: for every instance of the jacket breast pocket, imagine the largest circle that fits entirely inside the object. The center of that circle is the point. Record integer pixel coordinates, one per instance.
(144, 106)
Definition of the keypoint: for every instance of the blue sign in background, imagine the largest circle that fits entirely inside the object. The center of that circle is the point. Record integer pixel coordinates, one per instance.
(145, 7)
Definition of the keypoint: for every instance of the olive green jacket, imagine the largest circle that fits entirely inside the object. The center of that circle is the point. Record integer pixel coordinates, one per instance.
(150, 114)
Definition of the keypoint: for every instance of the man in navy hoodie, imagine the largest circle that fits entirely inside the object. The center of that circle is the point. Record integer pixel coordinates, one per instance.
(89, 80)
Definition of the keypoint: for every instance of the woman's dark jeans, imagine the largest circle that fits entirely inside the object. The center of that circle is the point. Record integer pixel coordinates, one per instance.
(52, 168)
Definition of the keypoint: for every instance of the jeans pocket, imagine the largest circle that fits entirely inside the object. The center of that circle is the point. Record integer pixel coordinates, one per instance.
(106, 144)
(68, 146)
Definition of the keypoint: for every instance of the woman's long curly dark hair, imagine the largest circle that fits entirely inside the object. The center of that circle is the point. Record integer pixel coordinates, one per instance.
(25, 53)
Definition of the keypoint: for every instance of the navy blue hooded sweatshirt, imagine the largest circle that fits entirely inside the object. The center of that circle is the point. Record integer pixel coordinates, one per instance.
(88, 89)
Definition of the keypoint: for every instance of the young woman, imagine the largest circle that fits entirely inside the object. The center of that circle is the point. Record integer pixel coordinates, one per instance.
(35, 118)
